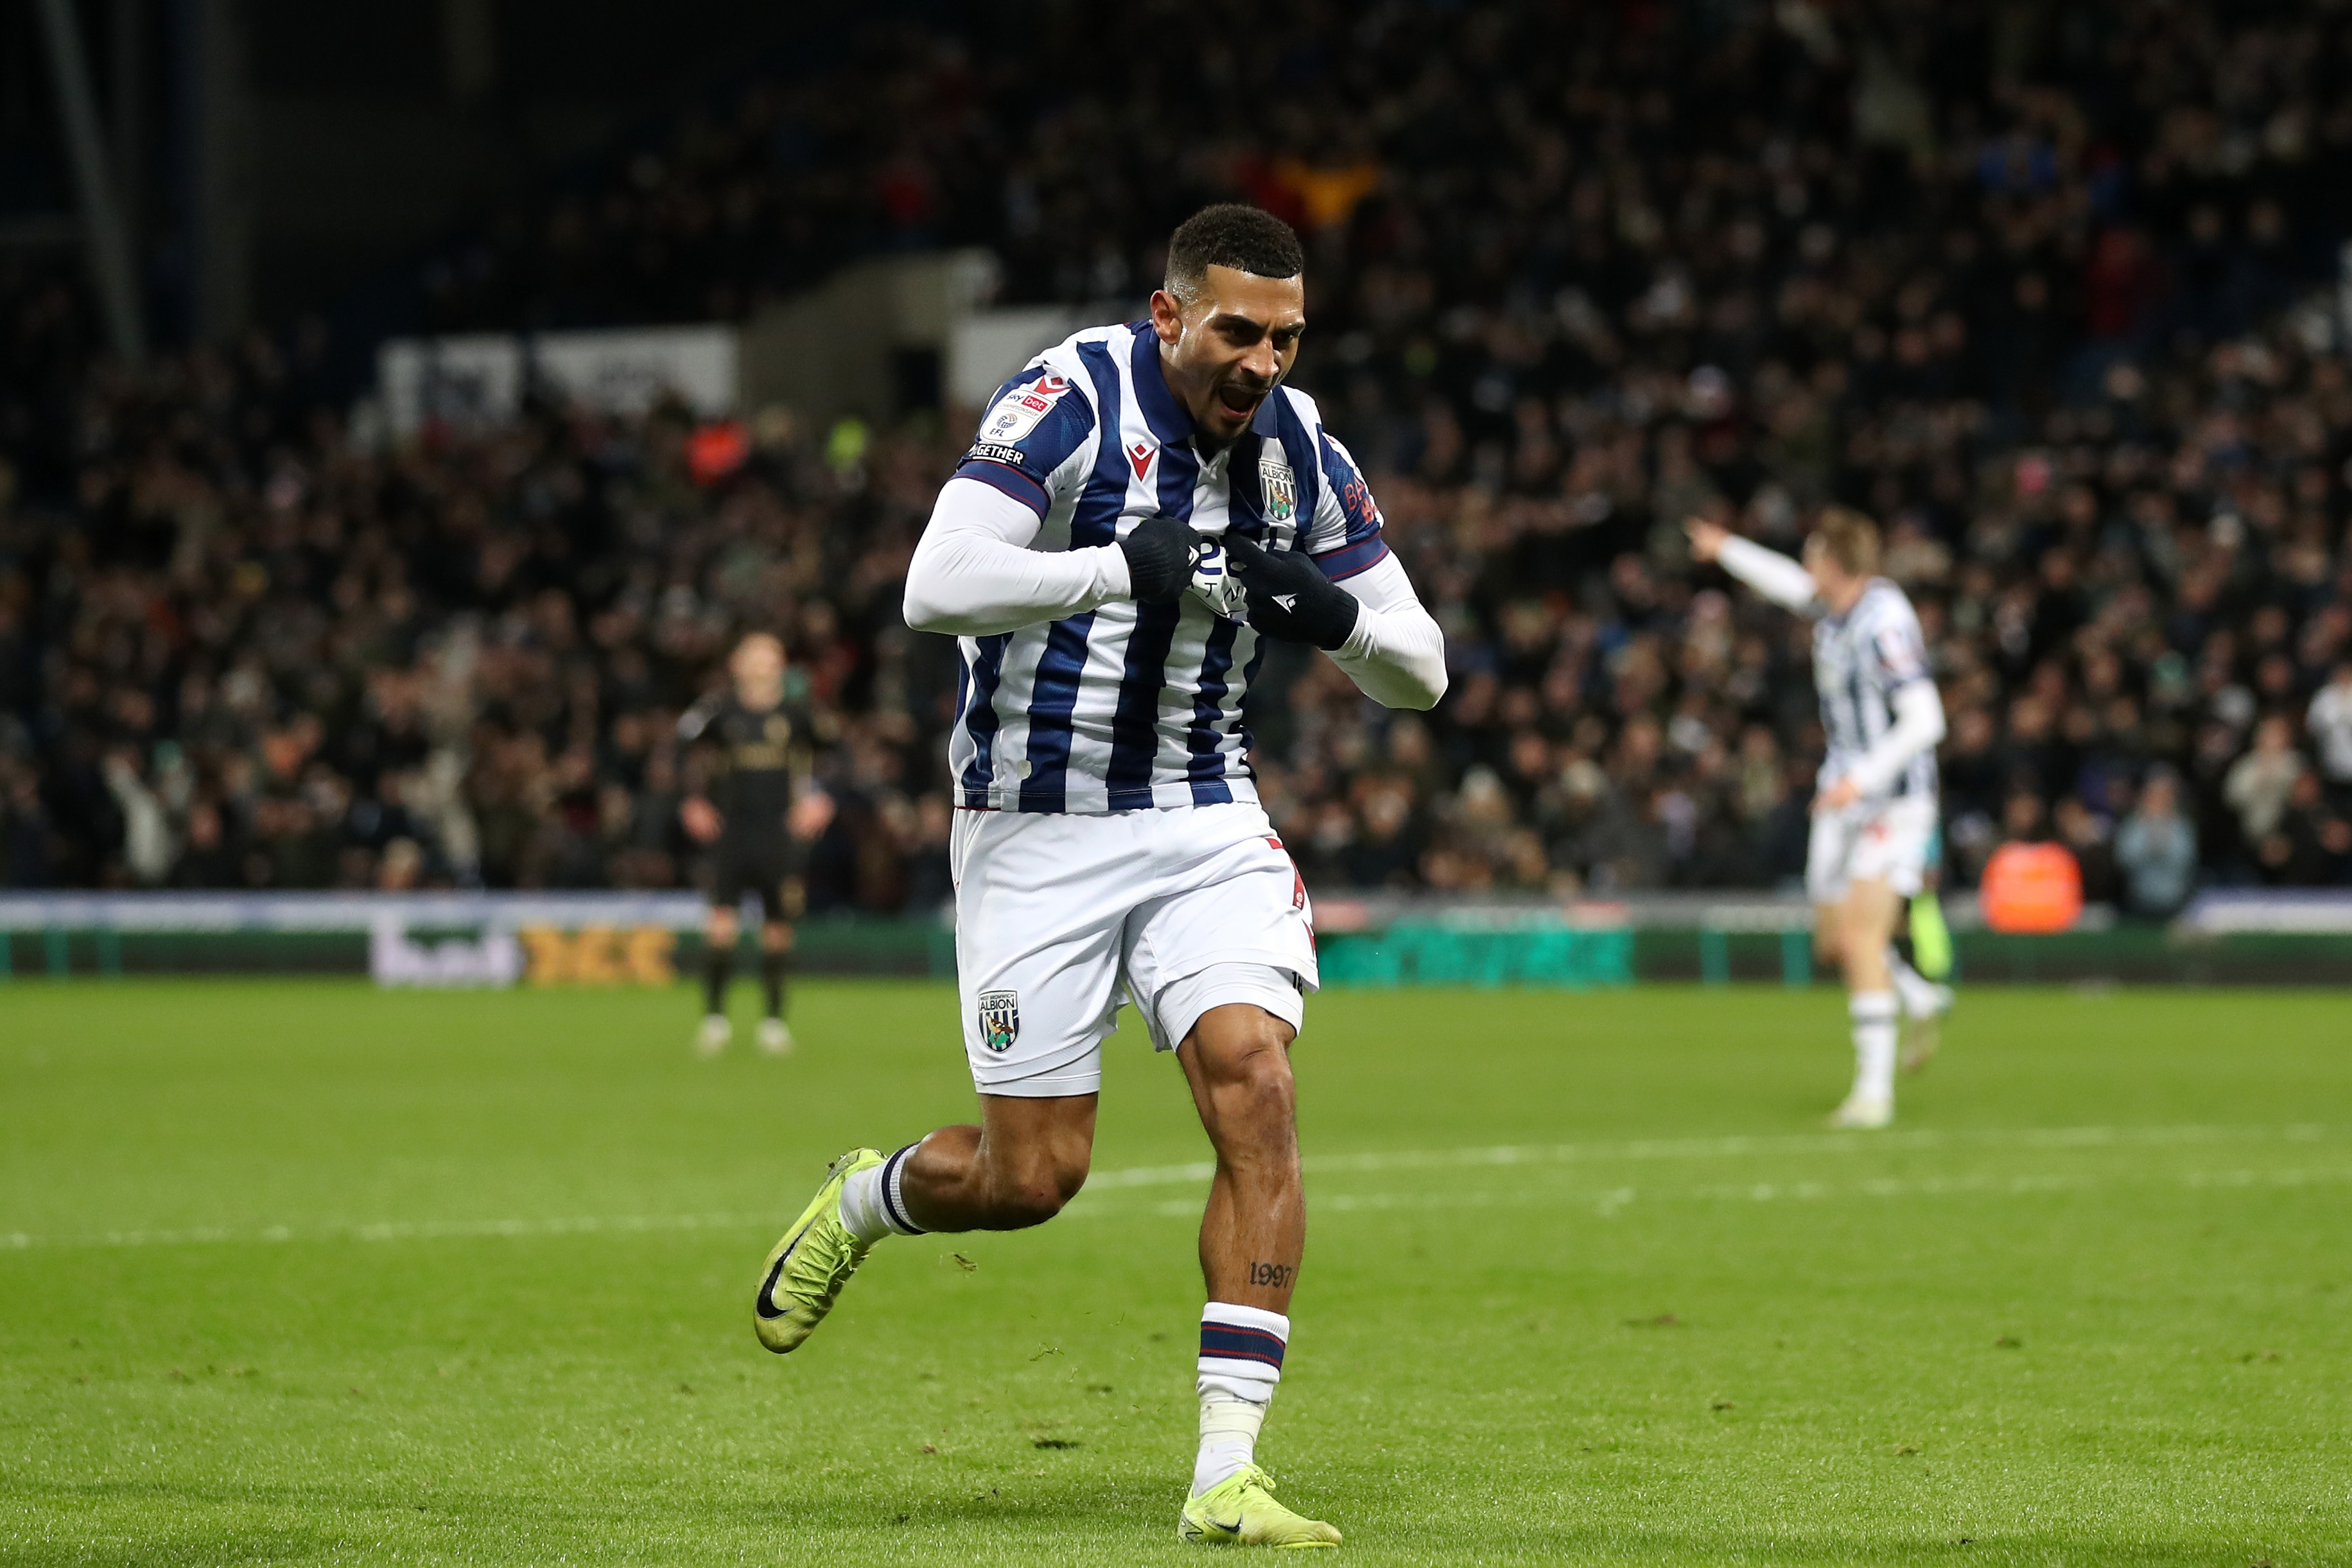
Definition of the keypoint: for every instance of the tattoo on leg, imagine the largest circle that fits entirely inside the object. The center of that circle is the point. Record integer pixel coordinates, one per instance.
(1273, 1276)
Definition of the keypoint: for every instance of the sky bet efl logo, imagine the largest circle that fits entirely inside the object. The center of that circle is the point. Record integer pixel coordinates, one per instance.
(1017, 411)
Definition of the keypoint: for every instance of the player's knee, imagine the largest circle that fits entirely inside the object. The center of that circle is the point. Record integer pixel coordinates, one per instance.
(1253, 1087)
(1036, 1194)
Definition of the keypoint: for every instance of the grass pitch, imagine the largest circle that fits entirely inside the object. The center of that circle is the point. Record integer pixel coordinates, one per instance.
(306, 1272)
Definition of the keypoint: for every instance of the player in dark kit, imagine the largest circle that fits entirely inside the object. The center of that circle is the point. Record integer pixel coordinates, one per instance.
(750, 813)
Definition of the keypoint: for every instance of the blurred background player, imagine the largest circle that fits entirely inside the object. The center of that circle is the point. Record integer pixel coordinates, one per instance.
(747, 814)
(1874, 800)
(1108, 842)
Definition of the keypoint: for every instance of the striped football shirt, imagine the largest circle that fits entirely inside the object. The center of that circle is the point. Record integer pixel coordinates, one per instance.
(1860, 660)
(1130, 705)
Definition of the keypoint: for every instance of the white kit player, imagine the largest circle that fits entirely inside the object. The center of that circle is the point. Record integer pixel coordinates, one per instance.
(1145, 505)
(1875, 802)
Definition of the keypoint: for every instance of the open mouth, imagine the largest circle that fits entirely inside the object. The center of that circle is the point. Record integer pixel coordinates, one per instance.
(1240, 401)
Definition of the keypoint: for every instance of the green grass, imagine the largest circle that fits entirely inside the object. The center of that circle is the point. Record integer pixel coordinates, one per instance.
(305, 1272)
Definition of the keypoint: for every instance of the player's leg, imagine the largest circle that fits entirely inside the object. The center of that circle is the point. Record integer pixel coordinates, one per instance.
(775, 956)
(719, 933)
(1828, 839)
(1017, 1169)
(1220, 966)
(1926, 999)
(1040, 901)
(1025, 1160)
(1865, 920)
(1236, 1059)
(1254, 1232)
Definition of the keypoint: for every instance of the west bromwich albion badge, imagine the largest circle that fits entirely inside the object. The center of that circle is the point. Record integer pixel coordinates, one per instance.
(1279, 486)
(1000, 1019)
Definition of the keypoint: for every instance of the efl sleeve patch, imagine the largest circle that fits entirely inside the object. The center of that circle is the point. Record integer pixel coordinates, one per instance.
(1901, 655)
(1038, 419)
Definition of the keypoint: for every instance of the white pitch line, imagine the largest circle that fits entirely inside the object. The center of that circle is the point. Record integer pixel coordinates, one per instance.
(398, 1230)
(1503, 1155)
(1608, 1201)
(1733, 1147)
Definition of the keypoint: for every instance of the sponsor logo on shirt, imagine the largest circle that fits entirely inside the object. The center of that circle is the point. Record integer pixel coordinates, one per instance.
(1017, 411)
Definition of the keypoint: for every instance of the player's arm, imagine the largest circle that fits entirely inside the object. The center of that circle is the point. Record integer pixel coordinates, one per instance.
(696, 813)
(976, 573)
(811, 809)
(1918, 717)
(1779, 579)
(1919, 725)
(1395, 653)
(1346, 594)
(697, 719)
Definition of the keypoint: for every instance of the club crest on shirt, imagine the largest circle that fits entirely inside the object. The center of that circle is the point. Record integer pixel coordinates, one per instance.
(1000, 1019)
(1017, 411)
(1279, 486)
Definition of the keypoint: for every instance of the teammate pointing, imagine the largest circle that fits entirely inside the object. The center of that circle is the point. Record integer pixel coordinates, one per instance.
(1874, 809)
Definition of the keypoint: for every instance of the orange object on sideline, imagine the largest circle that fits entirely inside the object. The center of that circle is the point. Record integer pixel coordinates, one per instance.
(717, 450)
(2032, 888)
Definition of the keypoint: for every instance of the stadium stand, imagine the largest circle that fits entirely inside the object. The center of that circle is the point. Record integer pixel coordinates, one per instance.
(2056, 306)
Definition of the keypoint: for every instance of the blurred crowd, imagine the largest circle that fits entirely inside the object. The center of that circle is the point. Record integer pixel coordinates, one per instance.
(2049, 292)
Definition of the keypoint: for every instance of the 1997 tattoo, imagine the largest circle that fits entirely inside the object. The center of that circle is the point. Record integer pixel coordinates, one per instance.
(1274, 1276)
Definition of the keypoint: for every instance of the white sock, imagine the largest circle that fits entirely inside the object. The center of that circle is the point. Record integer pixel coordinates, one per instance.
(1240, 1363)
(1918, 992)
(872, 1205)
(1872, 1012)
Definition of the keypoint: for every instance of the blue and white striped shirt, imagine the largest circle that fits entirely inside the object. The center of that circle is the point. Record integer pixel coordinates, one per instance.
(1861, 659)
(1129, 705)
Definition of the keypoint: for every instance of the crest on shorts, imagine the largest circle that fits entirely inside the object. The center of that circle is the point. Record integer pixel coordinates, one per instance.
(1000, 1019)
(1279, 486)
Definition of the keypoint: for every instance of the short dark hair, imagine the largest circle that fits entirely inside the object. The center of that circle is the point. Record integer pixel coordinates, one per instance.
(1249, 239)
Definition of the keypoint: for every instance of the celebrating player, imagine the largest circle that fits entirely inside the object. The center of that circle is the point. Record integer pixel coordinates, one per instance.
(756, 742)
(1875, 805)
(1108, 843)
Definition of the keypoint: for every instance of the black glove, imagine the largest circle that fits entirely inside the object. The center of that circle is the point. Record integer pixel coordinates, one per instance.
(1289, 597)
(1159, 553)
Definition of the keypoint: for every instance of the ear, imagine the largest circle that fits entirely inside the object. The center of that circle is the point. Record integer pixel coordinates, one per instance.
(1167, 316)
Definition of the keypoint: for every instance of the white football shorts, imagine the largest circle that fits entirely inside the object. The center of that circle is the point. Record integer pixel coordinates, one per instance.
(1060, 917)
(1872, 840)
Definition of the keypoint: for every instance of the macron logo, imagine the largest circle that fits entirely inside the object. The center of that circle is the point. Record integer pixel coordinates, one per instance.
(1140, 455)
(1288, 600)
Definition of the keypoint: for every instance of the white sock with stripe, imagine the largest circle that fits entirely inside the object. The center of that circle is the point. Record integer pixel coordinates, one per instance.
(1872, 1012)
(1918, 992)
(872, 1205)
(1240, 1363)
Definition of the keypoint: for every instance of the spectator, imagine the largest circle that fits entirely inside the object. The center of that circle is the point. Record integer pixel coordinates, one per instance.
(2092, 419)
(2259, 784)
(2329, 721)
(2085, 833)
(2310, 845)
(2156, 849)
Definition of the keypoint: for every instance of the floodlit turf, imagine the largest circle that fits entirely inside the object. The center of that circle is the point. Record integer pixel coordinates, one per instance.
(305, 1272)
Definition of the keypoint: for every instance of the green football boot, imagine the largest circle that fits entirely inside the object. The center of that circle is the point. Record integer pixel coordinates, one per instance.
(1240, 1510)
(812, 1263)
